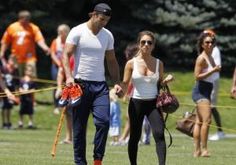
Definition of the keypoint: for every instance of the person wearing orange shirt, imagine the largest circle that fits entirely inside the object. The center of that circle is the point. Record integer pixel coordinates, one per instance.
(23, 35)
(57, 48)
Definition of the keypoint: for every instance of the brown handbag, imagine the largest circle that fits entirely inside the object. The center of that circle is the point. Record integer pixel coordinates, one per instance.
(186, 124)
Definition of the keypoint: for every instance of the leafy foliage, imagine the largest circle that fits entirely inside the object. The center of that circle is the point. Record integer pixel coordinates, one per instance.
(177, 24)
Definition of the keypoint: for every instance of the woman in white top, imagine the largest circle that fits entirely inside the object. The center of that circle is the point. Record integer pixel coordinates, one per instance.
(205, 73)
(145, 71)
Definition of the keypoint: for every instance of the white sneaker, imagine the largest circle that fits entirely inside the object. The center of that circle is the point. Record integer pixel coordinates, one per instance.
(123, 143)
(219, 135)
(112, 143)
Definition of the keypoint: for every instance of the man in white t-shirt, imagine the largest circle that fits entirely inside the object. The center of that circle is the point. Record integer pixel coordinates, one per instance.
(217, 59)
(91, 43)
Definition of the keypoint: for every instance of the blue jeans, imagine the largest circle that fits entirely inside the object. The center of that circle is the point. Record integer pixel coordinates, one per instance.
(96, 100)
(54, 71)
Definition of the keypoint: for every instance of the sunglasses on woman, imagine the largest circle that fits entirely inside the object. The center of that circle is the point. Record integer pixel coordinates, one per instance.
(144, 42)
(209, 42)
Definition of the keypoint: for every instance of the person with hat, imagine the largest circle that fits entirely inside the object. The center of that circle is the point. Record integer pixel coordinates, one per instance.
(91, 43)
(22, 36)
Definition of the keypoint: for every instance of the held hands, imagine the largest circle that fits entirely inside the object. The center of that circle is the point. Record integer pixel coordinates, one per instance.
(118, 90)
(47, 51)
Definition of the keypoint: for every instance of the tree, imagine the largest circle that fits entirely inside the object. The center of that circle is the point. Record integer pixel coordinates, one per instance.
(176, 24)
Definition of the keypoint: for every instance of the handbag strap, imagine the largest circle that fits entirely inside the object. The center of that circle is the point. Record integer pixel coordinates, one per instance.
(159, 87)
(163, 87)
(171, 139)
(194, 109)
(166, 88)
(166, 117)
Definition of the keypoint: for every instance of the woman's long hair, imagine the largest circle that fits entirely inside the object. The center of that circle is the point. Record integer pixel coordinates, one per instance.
(201, 38)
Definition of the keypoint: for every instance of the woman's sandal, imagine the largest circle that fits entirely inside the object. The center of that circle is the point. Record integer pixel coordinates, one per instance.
(66, 142)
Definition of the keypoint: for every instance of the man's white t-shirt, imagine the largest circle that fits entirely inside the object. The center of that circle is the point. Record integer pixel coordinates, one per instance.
(90, 51)
(217, 58)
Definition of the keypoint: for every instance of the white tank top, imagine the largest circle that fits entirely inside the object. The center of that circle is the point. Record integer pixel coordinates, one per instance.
(213, 76)
(145, 87)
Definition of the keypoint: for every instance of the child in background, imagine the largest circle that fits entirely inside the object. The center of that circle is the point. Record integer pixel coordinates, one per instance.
(115, 122)
(10, 73)
(57, 47)
(27, 100)
(130, 51)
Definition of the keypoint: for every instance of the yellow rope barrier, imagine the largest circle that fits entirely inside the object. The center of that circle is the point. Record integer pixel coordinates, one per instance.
(210, 125)
(218, 106)
(39, 80)
(179, 93)
(17, 93)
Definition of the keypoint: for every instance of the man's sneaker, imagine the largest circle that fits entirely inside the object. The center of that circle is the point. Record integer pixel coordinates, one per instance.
(97, 162)
(31, 127)
(64, 100)
(20, 126)
(75, 95)
(219, 135)
(9, 125)
(4, 125)
(146, 142)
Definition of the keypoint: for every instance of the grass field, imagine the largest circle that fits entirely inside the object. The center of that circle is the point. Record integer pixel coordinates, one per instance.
(32, 147)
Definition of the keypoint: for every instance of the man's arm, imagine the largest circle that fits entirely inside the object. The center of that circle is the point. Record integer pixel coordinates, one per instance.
(43, 46)
(114, 71)
(113, 66)
(55, 59)
(60, 80)
(4, 47)
(68, 51)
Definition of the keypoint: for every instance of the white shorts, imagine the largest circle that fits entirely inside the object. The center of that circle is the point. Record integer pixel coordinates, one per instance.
(114, 131)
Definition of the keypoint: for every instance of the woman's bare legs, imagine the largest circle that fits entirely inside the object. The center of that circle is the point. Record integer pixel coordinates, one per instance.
(201, 130)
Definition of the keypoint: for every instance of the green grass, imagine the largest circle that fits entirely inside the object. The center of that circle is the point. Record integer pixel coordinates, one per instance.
(32, 147)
